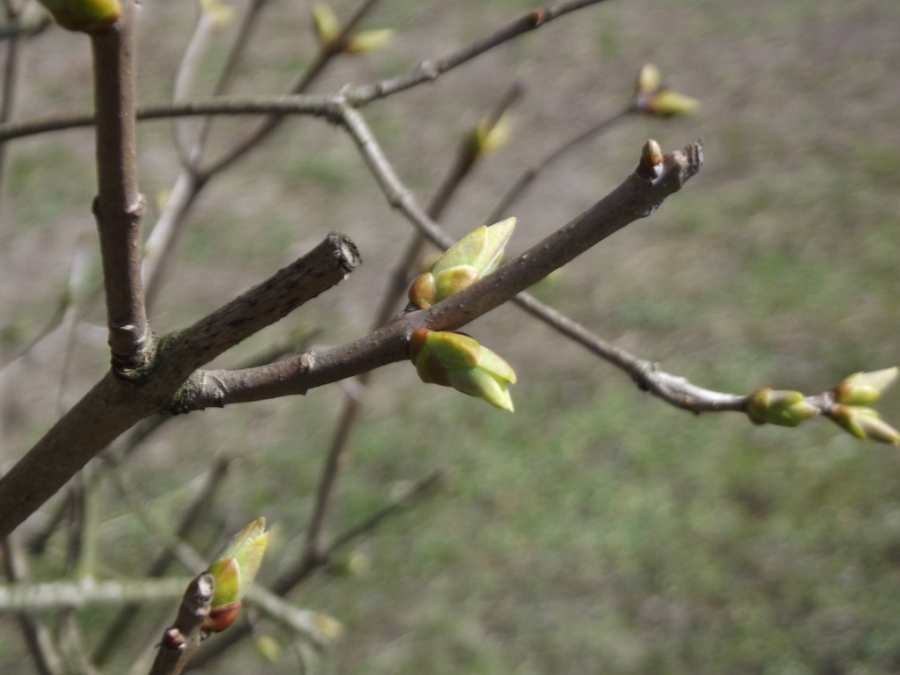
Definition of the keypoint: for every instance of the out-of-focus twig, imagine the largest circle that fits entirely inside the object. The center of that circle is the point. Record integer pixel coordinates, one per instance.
(191, 517)
(38, 639)
(430, 70)
(528, 175)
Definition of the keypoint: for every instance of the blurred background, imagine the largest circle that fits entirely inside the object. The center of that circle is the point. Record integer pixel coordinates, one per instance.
(596, 529)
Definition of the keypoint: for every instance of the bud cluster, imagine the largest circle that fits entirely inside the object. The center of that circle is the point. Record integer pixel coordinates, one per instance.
(328, 31)
(455, 359)
(846, 405)
(653, 97)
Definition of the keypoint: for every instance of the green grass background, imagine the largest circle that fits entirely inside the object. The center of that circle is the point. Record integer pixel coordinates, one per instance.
(595, 530)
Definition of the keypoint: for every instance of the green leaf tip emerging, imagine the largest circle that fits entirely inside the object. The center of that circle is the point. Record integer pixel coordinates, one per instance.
(471, 258)
(458, 361)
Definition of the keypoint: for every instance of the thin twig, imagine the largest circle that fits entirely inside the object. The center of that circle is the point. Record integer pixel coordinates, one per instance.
(467, 156)
(430, 70)
(324, 57)
(10, 84)
(38, 639)
(87, 591)
(119, 206)
(184, 82)
(527, 177)
(670, 388)
(180, 641)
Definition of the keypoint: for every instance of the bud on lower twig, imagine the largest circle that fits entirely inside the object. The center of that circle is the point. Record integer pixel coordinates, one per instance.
(864, 423)
(458, 361)
(864, 388)
(784, 408)
(234, 571)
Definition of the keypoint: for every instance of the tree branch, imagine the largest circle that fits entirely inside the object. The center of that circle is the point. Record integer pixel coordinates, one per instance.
(114, 405)
(119, 206)
(638, 196)
(526, 178)
(181, 640)
(430, 70)
(87, 591)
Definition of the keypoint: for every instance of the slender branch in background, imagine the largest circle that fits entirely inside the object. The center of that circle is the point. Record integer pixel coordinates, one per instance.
(163, 239)
(311, 625)
(235, 54)
(184, 83)
(87, 591)
(527, 177)
(324, 57)
(180, 641)
(71, 642)
(154, 525)
(119, 206)
(430, 70)
(670, 388)
(279, 106)
(38, 639)
(468, 154)
(173, 217)
(192, 516)
(304, 567)
(10, 82)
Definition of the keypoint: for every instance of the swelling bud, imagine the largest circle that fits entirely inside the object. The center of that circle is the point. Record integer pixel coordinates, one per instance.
(84, 16)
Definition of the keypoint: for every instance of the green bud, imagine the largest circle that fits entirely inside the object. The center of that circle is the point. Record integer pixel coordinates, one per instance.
(651, 159)
(474, 256)
(368, 40)
(220, 13)
(864, 423)
(326, 24)
(84, 16)
(784, 408)
(234, 571)
(458, 361)
(864, 388)
(487, 136)
(649, 79)
(268, 647)
(671, 104)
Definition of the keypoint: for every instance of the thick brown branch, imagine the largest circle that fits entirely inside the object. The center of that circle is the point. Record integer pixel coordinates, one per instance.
(114, 405)
(119, 206)
(323, 267)
(636, 197)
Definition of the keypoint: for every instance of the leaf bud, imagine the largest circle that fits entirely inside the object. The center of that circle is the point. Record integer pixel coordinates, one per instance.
(864, 423)
(474, 256)
(458, 361)
(783, 408)
(234, 571)
(864, 388)
(84, 16)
